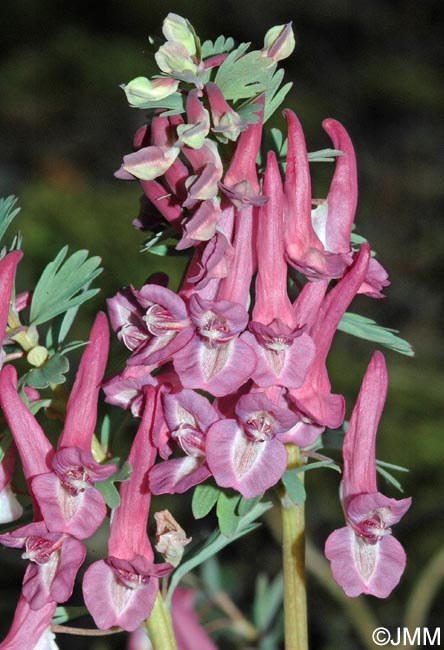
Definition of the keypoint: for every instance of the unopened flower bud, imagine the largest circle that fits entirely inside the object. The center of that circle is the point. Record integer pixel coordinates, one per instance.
(141, 90)
(178, 29)
(170, 537)
(279, 42)
(37, 356)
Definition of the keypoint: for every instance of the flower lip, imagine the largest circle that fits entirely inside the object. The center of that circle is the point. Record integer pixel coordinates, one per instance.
(129, 573)
(78, 471)
(372, 528)
(39, 549)
(277, 336)
(159, 320)
(190, 439)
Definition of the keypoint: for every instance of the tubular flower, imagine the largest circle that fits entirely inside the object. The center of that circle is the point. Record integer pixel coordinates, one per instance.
(62, 482)
(30, 628)
(121, 589)
(364, 556)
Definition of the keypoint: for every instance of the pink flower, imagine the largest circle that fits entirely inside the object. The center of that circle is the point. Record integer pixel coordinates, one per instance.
(121, 589)
(284, 352)
(246, 454)
(62, 482)
(30, 628)
(153, 323)
(55, 559)
(189, 633)
(10, 508)
(364, 556)
(188, 416)
(314, 398)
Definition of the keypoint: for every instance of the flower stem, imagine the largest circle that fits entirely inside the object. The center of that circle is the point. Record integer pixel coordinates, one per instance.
(293, 555)
(160, 626)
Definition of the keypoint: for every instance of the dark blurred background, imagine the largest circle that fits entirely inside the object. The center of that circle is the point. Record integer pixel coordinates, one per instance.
(374, 65)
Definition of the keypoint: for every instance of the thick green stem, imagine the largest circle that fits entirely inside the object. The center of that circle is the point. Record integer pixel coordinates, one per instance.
(160, 626)
(293, 553)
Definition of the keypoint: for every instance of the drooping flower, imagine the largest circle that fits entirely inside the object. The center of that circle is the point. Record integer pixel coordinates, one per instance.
(121, 589)
(365, 557)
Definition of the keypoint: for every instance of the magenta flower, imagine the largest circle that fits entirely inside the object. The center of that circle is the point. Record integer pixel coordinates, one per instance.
(10, 508)
(314, 397)
(246, 454)
(55, 559)
(121, 589)
(30, 628)
(188, 416)
(8, 267)
(284, 352)
(364, 556)
(62, 482)
(153, 323)
(189, 633)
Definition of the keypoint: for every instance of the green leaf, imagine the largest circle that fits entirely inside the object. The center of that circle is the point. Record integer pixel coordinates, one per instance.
(204, 499)
(242, 76)
(64, 614)
(8, 212)
(214, 544)
(324, 155)
(107, 488)
(273, 95)
(267, 601)
(220, 45)
(210, 574)
(53, 372)
(62, 285)
(382, 467)
(366, 328)
(226, 511)
(317, 465)
(294, 487)
(245, 505)
(5, 442)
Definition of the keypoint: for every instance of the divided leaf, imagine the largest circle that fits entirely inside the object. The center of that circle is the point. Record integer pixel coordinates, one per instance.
(7, 213)
(368, 329)
(62, 285)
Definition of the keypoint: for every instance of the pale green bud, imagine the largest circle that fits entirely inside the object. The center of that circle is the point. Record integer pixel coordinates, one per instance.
(37, 356)
(279, 42)
(141, 90)
(178, 29)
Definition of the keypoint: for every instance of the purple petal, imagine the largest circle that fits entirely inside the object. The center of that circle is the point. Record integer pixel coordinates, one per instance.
(360, 567)
(110, 602)
(219, 370)
(80, 515)
(240, 463)
(178, 475)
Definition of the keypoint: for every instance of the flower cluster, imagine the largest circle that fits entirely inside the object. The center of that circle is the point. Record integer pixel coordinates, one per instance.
(224, 373)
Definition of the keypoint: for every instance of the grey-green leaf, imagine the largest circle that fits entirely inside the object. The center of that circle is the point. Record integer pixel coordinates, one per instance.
(8, 212)
(53, 372)
(294, 487)
(62, 285)
(214, 544)
(366, 328)
(226, 511)
(205, 497)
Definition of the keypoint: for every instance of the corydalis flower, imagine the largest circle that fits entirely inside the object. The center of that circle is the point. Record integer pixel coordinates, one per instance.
(30, 629)
(54, 558)
(62, 482)
(121, 589)
(364, 556)
(153, 323)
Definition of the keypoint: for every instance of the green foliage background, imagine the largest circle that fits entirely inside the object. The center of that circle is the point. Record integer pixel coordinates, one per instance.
(374, 65)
